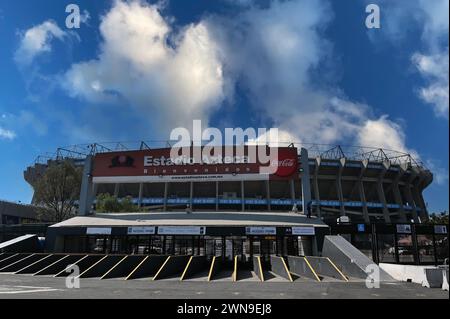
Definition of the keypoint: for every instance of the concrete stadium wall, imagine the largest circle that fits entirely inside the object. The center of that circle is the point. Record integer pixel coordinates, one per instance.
(148, 267)
(428, 276)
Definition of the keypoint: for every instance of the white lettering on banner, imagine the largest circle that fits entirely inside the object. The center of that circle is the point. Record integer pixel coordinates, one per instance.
(184, 160)
(141, 230)
(303, 231)
(98, 231)
(181, 230)
(404, 229)
(261, 230)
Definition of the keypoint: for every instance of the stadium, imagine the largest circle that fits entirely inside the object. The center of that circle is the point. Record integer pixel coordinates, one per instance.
(230, 209)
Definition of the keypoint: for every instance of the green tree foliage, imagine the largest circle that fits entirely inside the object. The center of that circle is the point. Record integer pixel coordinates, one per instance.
(111, 204)
(57, 191)
(438, 218)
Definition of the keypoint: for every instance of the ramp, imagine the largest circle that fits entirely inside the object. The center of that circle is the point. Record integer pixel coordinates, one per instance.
(83, 264)
(280, 268)
(257, 267)
(124, 267)
(22, 244)
(215, 268)
(23, 263)
(101, 267)
(5, 255)
(349, 259)
(12, 259)
(324, 267)
(148, 267)
(173, 266)
(59, 265)
(40, 264)
(195, 265)
(301, 267)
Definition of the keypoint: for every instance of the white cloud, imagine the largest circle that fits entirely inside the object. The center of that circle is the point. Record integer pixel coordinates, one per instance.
(432, 17)
(435, 69)
(440, 174)
(37, 40)
(384, 133)
(172, 77)
(7, 134)
(169, 84)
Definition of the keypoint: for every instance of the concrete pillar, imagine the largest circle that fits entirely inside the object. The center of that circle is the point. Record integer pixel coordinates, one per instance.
(217, 196)
(268, 195)
(166, 191)
(116, 190)
(242, 196)
(339, 187)
(86, 188)
(398, 195)
(292, 185)
(141, 190)
(306, 186)
(191, 194)
(417, 194)
(380, 191)
(410, 197)
(362, 193)
(316, 187)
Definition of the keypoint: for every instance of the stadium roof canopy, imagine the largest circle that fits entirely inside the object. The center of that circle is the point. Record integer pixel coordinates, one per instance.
(323, 151)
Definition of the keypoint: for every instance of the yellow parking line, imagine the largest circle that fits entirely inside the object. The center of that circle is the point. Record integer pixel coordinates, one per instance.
(185, 269)
(337, 269)
(211, 268)
(235, 269)
(34, 263)
(102, 277)
(137, 267)
(79, 276)
(72, 264)
(36, 273)
(160, 269)
(286, 268)
(312, 269)
(260, 268)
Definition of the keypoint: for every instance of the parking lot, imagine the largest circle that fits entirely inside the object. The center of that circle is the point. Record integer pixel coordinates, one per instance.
(27, 286)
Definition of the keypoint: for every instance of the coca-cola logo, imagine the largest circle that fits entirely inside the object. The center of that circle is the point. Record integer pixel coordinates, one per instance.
(286, 164)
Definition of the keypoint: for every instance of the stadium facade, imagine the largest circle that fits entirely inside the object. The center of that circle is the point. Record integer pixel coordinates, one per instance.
(228, 207)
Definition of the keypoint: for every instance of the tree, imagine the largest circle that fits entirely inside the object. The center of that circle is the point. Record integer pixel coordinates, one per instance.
(438, 218)
(110, 204)
(58, 190)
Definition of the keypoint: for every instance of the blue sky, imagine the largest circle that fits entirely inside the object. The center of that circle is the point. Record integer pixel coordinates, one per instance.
(134, 70)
